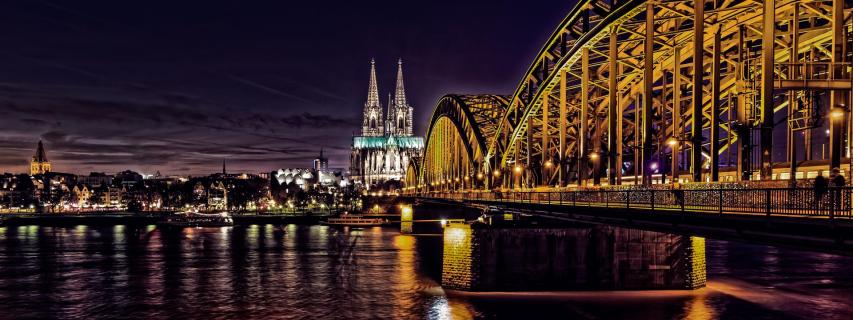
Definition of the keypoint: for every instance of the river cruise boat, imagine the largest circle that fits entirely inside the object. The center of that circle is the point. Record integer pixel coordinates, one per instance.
(353, 220)
(195, 219)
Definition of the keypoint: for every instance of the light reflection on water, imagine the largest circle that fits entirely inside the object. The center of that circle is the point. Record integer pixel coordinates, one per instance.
(317, 272)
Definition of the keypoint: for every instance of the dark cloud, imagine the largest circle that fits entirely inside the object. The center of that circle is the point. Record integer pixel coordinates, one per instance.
(178, 86)
(318, 121)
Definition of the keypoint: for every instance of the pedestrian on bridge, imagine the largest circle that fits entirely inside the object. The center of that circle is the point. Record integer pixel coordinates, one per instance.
(837, 179)
(820, 187)
(837, 183)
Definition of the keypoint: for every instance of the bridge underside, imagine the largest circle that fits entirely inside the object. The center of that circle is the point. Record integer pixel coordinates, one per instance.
(641, 92)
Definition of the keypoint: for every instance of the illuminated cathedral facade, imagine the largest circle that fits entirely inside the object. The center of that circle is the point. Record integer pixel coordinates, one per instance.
(387, 144)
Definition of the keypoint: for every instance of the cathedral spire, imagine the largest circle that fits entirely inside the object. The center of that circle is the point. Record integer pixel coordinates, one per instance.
(372, 125)
(373, 88)
(41, 156)
(400, 94)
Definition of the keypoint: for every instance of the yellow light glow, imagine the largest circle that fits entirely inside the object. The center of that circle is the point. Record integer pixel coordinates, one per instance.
(672, 142)
(549, 164)
(480, 175)
(497, 172)
(837, 113)
(593, 156)
(517, 169)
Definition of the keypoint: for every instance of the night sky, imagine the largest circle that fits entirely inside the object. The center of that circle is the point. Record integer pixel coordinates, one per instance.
(178, 86)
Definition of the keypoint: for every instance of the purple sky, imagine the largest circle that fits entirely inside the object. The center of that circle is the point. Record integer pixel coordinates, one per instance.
(178, 86)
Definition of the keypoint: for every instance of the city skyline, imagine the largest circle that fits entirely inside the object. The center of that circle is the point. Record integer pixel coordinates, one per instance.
(127, 92)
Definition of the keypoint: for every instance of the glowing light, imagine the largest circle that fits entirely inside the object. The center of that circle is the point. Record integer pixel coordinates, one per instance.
(549, 164)
(593, 156)
(517, 169)
(653, 165)
(496, 172)
(480, 175)
(672, 142)
(443, 223)
(837, 113)
(407, 214)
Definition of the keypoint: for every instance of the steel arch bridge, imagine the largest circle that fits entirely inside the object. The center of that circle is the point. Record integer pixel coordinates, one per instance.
(645, 88)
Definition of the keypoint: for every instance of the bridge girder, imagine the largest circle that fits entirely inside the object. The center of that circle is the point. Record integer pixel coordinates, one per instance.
(561, 126)
(457, 137)
(739, 25)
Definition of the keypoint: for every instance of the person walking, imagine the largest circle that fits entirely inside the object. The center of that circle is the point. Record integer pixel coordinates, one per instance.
(838, 183)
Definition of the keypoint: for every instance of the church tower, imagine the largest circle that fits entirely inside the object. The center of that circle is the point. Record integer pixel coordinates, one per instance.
(372, 123)
(39, 165)
(400, 112)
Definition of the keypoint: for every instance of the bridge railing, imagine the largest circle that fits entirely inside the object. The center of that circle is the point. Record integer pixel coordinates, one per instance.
(832, 202)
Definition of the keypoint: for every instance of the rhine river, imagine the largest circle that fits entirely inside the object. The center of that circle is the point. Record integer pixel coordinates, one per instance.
(318, 272)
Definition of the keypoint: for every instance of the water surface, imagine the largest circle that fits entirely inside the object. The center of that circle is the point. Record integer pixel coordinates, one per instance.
(318, 272)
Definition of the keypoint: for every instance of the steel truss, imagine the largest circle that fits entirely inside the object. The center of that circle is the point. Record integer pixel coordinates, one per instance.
(631, 90)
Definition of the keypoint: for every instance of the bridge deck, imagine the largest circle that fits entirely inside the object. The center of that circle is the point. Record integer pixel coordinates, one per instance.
(798, 217)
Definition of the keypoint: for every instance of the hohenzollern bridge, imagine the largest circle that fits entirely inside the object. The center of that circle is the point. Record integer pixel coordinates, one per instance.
(690, 106)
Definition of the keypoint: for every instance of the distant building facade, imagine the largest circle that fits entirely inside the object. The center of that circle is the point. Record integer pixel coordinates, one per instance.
(321, 163)
(386, 146)
(39, 164)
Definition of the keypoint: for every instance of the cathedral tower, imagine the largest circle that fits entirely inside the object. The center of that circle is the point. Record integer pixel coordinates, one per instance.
(399, 111)
(39, 165)
(372, 123)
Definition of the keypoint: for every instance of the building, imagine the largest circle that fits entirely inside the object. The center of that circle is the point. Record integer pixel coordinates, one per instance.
(321, 163)
(40, 164)
(385, 147)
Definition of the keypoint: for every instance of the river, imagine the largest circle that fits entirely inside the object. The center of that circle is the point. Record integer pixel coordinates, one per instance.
(318, 272)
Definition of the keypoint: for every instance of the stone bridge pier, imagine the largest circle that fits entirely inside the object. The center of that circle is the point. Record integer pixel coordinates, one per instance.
(480, 257)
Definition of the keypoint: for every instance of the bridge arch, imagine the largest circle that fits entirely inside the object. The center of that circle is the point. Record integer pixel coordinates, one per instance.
(614, 85)
(457, 137)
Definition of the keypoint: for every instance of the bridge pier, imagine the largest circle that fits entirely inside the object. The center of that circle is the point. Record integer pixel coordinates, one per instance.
(478, 257)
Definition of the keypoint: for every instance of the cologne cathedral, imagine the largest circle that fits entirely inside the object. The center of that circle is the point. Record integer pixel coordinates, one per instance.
(386, 145)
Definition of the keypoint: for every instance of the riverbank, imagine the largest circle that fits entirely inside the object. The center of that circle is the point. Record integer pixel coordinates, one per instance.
(131, 219)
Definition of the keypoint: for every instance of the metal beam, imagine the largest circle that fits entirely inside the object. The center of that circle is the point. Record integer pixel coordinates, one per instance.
(794, 27)
(837, 100)
(546, 139)
(698, 70)
(614, 132)
(676, 112)
(584, 128)
(648, 86)
(768, 38)
(715, 108)
(562, 123)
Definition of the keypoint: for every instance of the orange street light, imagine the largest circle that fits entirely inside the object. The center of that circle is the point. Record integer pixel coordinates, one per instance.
(837, 113)
(672, 142)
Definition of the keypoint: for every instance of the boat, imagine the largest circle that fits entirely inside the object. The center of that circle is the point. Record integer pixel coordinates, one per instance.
(196, 219)
(354, 220)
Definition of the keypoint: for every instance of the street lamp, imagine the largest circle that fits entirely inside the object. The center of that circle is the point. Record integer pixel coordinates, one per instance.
(672, 142)
(517, 169)
(837, 113)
